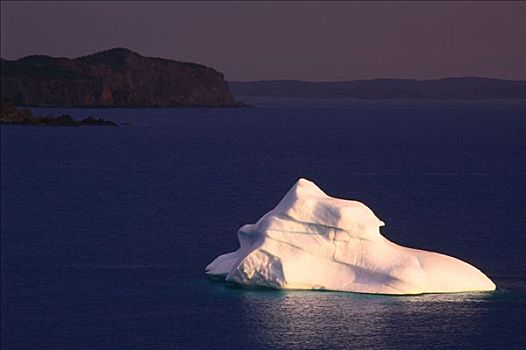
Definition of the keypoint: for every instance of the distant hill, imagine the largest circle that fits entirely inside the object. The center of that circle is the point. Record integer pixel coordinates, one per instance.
(112, 78)
(448, 88)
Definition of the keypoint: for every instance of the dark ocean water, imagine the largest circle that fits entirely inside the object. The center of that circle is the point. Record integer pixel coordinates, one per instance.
(105, 232)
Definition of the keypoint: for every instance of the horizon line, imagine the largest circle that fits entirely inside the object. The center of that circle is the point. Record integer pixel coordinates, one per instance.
(371, 79)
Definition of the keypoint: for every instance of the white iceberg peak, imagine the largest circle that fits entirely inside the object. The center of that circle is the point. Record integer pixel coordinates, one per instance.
(307, 203)
(313, 241)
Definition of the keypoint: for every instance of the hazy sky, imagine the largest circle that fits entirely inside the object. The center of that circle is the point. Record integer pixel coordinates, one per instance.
(291, 40)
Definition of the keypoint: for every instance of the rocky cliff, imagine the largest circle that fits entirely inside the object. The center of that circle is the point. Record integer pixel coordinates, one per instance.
(112, 78)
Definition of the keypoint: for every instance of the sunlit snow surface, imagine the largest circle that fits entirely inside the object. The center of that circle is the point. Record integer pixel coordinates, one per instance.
(314, 241)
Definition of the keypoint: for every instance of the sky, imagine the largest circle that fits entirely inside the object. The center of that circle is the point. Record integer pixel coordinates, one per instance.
(284, 40)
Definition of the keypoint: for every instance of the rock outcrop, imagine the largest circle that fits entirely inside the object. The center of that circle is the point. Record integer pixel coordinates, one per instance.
(10, 115)
(112, 78)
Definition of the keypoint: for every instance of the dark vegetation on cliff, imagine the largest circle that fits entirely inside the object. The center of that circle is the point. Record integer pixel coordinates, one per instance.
(112, 78)
(448, 88)
(10, 115)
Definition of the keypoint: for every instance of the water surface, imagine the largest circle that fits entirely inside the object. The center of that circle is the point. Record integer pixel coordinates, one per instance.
(106, 231)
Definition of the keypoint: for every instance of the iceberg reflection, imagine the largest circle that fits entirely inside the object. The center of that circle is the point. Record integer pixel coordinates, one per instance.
(306, 320)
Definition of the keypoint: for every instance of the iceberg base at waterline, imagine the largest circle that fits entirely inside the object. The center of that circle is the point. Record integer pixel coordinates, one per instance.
(316, 242)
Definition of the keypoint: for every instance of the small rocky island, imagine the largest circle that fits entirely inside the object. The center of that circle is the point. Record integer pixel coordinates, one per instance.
(10, 115)
(112, 78)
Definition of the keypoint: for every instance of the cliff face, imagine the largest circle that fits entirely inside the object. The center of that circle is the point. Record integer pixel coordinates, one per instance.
(113, 78)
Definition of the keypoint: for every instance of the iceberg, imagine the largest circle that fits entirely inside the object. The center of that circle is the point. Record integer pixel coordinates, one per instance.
(316, 242)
